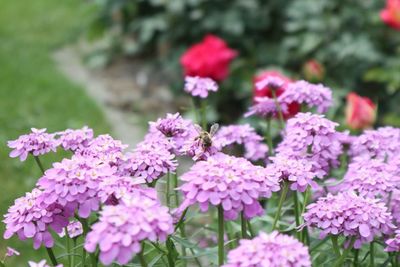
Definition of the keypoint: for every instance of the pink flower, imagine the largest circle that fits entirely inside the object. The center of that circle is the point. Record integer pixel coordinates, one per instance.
(350, 215)
(200, 87)
(121, 229)
(38, 142)
(269, 250)
(31, 217)
(208, 59)
(232, 182)
(313, 71)
(360, 112)
(262, 88)
(391, 14)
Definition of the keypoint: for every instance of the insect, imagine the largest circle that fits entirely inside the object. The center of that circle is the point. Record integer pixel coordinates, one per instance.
(206, 137)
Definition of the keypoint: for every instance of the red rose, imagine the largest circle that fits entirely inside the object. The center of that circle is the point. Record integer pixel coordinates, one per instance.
(391, 14)
(360, 112)
(313, 71)
(293, 108)
(209, 58)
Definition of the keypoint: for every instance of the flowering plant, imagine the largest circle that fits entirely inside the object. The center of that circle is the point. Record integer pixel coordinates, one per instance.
(264, 200)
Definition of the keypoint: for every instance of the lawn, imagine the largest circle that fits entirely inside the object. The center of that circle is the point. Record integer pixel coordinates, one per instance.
(33, 93)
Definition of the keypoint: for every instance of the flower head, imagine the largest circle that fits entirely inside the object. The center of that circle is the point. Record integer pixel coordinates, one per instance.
(272, 250)
(244, 135)
(232, 182)
(314, 137)
(31, 217)
(121, 229)
(264, 107)
(393, 244)
(149, 161)
(38, 142)
(210, 58)
(312, 95)
(350, 215)
(313, 71)
(114, 189)
(75, 139)
(175, 131)
(300, 172)
(74, 229)
(271, 77)
(370, 178)
(381, 143)
(197, 86)
(74, 183)
(360, 111)
(103, 148)
(391, 14)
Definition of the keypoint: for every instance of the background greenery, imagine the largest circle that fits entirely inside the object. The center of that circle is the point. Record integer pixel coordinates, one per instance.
(360, 53)
(34, 94)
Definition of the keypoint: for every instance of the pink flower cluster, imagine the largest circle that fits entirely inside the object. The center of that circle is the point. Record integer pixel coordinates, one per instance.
(269, 250)
(75, 139)
(244, 135)
(370, 178)
(350, 215)
(314, 137)
(393, 244)
(232, 182)
(74, 183)
(312, 95)
(298, 172)
(31, 217)
(121, 229)
(38, 142)
(148, 161)
(199, 87)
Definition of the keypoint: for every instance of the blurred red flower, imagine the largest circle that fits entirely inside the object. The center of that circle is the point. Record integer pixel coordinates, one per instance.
(360, 111)
(391, 14)
(293, 108)
(210, 58)
(313, 71)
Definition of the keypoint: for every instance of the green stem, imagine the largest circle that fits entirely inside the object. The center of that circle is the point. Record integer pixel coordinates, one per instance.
(371, 254)
(341, 260)
(167, 189)
(85, 227)
(39, 163)
(243, 224)
(141, 257)
(68, 247)
(203, 104)
(296, 211)
(175, 191)
(281, 200)
(52, 256)
(306, 196)
(73, 252)
(335, 245)
(220, 235)
(195, 109)
(268, 136)
(355, 261)
(181, 219)
(278, 106)
(2, 264)
(250, 229)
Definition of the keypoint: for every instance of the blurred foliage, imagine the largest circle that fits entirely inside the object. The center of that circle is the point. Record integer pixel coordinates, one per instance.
(357, 49)
(33, 93)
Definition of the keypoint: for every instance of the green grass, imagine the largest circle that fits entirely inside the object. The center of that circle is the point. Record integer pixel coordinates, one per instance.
(33, 93)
